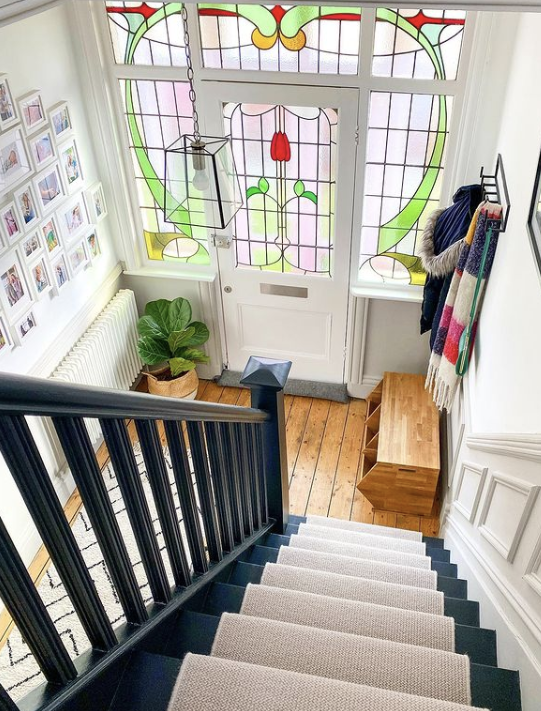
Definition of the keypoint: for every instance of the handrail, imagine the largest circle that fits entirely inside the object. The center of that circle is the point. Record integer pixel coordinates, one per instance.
(21, 394)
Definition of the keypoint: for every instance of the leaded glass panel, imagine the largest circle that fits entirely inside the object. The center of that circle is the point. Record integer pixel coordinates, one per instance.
(285, 158)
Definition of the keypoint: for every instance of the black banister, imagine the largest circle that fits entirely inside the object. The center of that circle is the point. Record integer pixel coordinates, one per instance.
(267, 378)
(6, 704)
(26, 607)
(36, 396)
(32, 479)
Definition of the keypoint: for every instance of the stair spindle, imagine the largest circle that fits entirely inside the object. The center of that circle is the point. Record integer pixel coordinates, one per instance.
(253, 473)
(259, 445)
(232, 471)
(6, 704)
(28, 611)
(244, 450)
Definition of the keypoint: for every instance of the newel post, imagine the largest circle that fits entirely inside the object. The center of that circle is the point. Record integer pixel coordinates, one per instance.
(266, 378)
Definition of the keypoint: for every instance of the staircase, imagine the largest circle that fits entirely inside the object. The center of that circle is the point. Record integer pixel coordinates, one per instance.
(298, 623)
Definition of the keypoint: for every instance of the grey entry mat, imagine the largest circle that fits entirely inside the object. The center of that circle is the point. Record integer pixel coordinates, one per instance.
(305, 388)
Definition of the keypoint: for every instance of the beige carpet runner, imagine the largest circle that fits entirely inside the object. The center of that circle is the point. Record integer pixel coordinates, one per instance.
(361, 618)
(352, 588)
(212, 684)
(347, 619)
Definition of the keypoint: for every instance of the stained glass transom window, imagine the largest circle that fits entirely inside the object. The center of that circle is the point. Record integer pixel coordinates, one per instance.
(407, 136)
(147, 33)
(157, 113)
(285, 157)
(418, 44)
(283, 38)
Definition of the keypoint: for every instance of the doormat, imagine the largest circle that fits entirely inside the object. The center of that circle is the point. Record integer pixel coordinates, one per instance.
(304, 388)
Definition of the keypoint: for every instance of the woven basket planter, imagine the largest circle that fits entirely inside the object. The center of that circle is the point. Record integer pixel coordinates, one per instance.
(184, 387)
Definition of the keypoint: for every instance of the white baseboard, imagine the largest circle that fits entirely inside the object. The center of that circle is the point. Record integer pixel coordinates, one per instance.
(363, 389)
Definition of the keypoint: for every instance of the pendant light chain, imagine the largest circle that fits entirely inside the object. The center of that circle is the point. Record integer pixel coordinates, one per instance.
(190, 75)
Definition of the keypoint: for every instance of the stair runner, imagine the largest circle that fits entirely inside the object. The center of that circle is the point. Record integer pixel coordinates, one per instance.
(346, 616)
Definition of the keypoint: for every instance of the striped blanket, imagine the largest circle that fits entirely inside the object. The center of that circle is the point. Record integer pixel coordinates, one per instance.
(442, 377)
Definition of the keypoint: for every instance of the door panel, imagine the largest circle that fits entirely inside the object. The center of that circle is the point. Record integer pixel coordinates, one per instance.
(285, 277)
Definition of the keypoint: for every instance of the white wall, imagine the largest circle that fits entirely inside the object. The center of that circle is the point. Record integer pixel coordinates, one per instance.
(493, 514)
(37, 53)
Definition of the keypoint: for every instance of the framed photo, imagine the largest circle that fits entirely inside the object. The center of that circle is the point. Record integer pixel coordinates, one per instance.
(59, 268)
(14, 290)
(70, 165)
(51, 236)
(78, 257)
(95, 203)
(73, 218)
(93, 243)
(49, 189)
(32, 112)
(8, 111)
(31, 246)
(6, 342)
(27, 205)
(14, 161)
(534, 219)
(25, 326)
(42, 149)
(40, 279)
(60, 119)
(10, 222)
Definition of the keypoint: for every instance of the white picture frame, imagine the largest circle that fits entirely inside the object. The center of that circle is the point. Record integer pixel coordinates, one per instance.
(40, 277)
(14, 161)
(32, 245)
(15, 293)
(50, 233)
(70, 165)
(60, 271)
(31, 111)
(78, 258)
(10, 223)
(95, 203)
(93, 243)
(9, 115)
(27, 206)
(73, 218)
(60, 121)
(6, 339)
(42, 148)
(49, 189)
(25, 327)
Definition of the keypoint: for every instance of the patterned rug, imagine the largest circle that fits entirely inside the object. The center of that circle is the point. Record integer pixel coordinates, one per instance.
(19, 673)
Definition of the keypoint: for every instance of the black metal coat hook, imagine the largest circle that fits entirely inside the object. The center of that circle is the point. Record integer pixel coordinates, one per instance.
(495, 190)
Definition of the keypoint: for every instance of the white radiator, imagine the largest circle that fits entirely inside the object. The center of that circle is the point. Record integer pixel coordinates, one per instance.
(106, 354)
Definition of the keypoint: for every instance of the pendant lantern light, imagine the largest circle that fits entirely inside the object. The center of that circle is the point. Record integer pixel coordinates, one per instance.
(201, 183)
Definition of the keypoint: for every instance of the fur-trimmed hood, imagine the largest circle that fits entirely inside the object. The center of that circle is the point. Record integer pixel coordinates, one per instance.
(437, 265)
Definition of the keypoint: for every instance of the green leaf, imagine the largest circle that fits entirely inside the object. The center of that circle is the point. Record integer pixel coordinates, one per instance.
(180, 365)
(200, 336)
(159, 312)
(309, 195)
(263, 185)
(196, 355)
(299, 188)
(147, 326)
(153, 351)
(252, 191)
(180, 338)
(180, 314)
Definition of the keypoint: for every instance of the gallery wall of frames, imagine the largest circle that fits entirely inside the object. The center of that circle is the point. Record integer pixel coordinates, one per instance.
(49, 215)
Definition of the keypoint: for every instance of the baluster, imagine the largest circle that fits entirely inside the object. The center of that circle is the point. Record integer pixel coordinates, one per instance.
(196, 436)
(6, 704)
(253, 472)
(32, 479)
(158, 476)
(186, 494)
(267, 378)
(227, 430)
(260, 458)
(25, 606)
(88, 477)
(244, 472)
(127, 473)
(221, 482)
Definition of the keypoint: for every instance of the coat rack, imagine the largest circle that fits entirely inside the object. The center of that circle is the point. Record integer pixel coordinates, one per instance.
(495, 188)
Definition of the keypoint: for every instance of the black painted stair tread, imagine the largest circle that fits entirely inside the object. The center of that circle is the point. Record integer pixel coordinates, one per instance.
(191, 632)
(147, 683)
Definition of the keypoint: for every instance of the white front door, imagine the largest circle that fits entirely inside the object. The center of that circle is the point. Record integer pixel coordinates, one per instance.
(285, 274)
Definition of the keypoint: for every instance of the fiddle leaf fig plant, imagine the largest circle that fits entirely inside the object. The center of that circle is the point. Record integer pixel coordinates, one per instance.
(168, 334)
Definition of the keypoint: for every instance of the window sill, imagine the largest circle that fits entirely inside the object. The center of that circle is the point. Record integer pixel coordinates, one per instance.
(166, 274)
(388, 292)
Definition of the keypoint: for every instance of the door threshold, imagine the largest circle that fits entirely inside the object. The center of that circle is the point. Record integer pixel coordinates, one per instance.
(336, 392)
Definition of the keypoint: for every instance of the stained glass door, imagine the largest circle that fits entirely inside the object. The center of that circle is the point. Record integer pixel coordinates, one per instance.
(285, 273)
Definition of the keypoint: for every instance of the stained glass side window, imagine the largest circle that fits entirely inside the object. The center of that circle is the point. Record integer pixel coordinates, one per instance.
(286, 161)
(157, 113)
(147, 33)
(418, 44)
(407, 136)
(285, 38)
